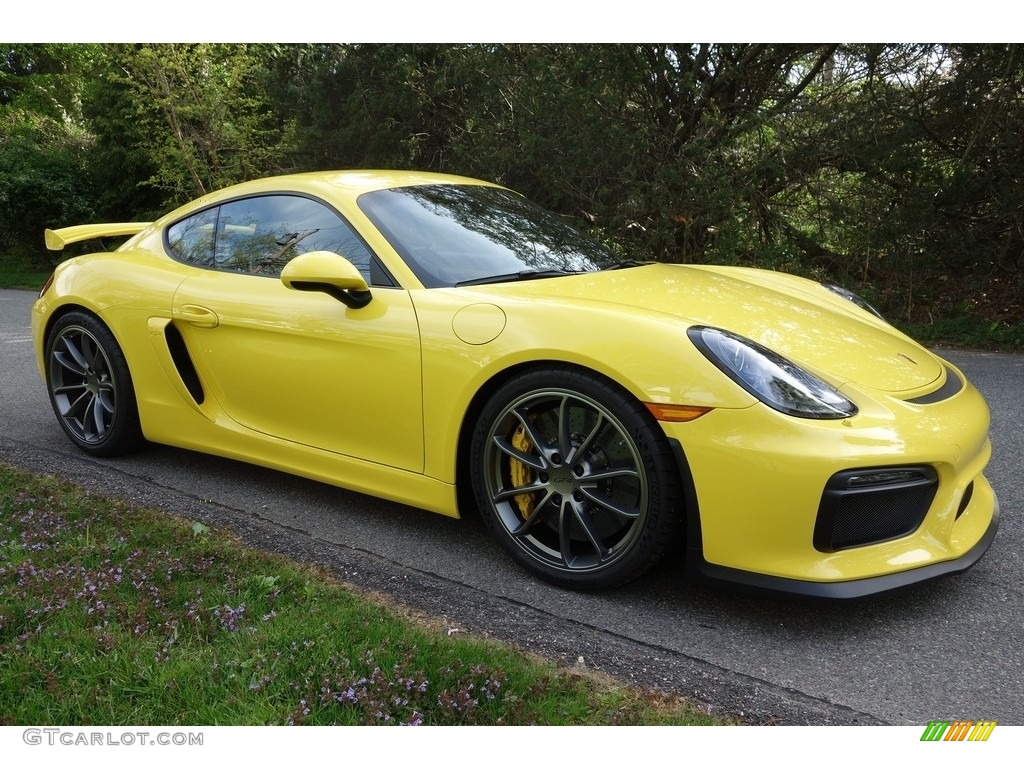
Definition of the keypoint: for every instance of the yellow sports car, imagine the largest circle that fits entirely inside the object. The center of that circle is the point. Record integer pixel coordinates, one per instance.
(442, 342)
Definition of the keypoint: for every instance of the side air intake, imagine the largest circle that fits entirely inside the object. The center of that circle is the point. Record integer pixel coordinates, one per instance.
(183, 363)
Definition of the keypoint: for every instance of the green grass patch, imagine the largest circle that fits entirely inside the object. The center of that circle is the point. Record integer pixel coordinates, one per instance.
(111, 615)
(23, 275)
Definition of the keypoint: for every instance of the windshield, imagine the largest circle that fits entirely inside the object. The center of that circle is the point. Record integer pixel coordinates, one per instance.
(454, 234)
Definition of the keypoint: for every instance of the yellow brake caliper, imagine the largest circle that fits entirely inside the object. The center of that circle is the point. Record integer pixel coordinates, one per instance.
(520, 473)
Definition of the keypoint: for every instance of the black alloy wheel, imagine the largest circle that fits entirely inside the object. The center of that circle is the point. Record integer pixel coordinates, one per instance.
(90, 386)
(575, 478)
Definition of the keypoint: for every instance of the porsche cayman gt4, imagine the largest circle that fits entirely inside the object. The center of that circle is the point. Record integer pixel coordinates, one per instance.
(442, 342)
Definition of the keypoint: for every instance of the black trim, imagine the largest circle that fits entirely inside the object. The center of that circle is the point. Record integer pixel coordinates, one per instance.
(351, 299)
(691, 507)
(951, 387)
(965, 500)
(849, 590)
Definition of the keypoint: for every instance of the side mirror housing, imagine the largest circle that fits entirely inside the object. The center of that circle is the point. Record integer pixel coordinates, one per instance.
(328, 273)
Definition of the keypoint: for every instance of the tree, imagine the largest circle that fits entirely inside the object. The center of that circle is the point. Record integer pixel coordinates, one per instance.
(44, 180)
(195, 116)
(896, 166)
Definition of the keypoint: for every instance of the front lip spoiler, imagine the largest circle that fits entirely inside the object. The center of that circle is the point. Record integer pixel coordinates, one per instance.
(846, 590)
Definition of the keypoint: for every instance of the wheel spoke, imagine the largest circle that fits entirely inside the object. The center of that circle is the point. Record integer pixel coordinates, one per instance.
(98, 417)
(76, 408)
(106, 396)
(97, 362)
(582, 448)
(67, 389)
(536, 438)
(569, 517)
(593, 536)
(565, 535)
(508, 493)
(535, 517)
(612, 472)
(73, 360)
(629, 513)
(70, 364)
(564, 429)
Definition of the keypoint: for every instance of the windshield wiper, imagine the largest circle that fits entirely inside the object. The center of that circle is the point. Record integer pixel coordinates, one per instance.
(511, 277)
(625, 264)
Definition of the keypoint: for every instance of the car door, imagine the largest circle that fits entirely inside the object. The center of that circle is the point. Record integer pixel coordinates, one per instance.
(298, 365)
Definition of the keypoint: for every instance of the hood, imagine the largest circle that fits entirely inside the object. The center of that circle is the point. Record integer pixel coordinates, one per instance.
(793, 316)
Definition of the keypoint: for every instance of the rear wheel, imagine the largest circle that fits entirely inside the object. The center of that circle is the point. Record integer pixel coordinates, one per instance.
(90, 386)
(575, 478)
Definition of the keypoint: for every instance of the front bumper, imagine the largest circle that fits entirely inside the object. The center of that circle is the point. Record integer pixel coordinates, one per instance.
(758, 485)
(844, 590)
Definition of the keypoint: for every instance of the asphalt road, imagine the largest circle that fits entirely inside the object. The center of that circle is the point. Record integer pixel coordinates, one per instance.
(948, 650)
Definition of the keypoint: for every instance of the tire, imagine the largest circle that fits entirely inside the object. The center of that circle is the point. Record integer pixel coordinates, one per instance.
(575, 479)
(90, 386)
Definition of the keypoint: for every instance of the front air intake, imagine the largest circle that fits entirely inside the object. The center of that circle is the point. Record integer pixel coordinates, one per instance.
(867, 506)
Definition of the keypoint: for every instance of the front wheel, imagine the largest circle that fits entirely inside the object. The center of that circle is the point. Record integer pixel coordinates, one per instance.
(90, 386)
(575, 478)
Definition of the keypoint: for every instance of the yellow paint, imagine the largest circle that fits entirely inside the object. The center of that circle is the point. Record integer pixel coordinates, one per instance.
(376, 399)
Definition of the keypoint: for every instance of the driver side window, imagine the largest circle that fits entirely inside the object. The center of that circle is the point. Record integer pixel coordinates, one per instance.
(260, 235)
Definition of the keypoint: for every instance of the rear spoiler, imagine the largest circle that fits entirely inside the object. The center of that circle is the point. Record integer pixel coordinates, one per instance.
(56, 239)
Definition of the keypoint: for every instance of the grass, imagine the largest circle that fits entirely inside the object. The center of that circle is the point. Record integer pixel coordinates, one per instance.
(112, 615)
(22, 275)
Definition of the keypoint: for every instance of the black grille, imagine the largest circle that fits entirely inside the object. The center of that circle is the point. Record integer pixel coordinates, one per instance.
(867, 506)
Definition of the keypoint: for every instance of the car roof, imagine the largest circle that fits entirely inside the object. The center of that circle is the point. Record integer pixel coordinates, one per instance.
(351, 183)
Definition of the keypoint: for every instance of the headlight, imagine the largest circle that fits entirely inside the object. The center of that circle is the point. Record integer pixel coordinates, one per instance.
(770, 377)
(851, 296)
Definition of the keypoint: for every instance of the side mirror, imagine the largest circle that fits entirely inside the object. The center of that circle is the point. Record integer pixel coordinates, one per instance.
(328, 273)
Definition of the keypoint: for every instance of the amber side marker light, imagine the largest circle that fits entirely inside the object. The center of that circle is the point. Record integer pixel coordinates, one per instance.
(669, 412)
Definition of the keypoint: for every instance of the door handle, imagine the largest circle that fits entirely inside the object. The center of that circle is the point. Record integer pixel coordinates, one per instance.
(200, 317)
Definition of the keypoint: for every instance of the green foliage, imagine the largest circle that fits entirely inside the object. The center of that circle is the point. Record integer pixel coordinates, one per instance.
(43, 145)
(642, 141)
(43, 182)
(196, 115)
(45, 79)
(884, 165)
(910, 169)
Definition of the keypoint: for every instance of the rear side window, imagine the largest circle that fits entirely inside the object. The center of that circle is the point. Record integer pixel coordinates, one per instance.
(191, 240)
(259, 235)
